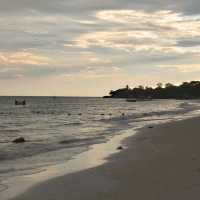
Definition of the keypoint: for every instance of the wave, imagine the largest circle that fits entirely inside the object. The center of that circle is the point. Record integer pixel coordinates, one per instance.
(189, 105)
(20, 170)
(182, 109)
(4, 141)
(73, 124)
(81, 140)
(10, 130)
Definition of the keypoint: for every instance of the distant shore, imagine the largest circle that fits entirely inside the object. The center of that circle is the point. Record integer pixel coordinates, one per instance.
(186, 90)
(161, 162)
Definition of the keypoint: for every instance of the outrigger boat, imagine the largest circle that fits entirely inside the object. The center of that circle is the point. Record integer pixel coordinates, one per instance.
(17, 103)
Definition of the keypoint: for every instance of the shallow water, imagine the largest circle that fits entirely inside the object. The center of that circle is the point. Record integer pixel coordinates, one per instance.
(57, 129)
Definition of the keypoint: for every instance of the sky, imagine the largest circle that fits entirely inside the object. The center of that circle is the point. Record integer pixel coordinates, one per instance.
(89, 47)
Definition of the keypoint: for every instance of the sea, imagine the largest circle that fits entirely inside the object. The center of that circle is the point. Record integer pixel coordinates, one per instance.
(57, 129)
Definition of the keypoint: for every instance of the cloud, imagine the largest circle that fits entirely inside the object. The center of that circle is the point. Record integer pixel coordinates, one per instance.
(141, 31)
(24, 58)
(135, 16)
(184, 68)
(84, 39)
(92, 73)
(86, 6)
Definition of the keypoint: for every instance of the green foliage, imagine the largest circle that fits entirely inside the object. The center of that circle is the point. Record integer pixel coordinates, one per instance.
(186, 90)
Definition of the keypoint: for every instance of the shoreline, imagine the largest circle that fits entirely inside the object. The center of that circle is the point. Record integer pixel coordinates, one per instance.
(83, 161)
(159, 163)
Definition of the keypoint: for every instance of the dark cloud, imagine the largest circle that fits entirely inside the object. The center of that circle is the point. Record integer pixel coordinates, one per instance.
(82, 6)
(189, 42)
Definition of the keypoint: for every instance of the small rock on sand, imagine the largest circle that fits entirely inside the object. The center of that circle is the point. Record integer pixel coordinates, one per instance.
(119, 148)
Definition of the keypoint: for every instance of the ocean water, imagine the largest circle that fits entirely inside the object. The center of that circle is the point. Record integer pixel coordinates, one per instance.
(58, 128)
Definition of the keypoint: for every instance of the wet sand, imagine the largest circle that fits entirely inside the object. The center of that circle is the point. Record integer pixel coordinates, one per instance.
(158, 163)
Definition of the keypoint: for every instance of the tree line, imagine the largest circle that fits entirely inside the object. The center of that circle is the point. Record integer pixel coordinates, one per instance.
(186, 90)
